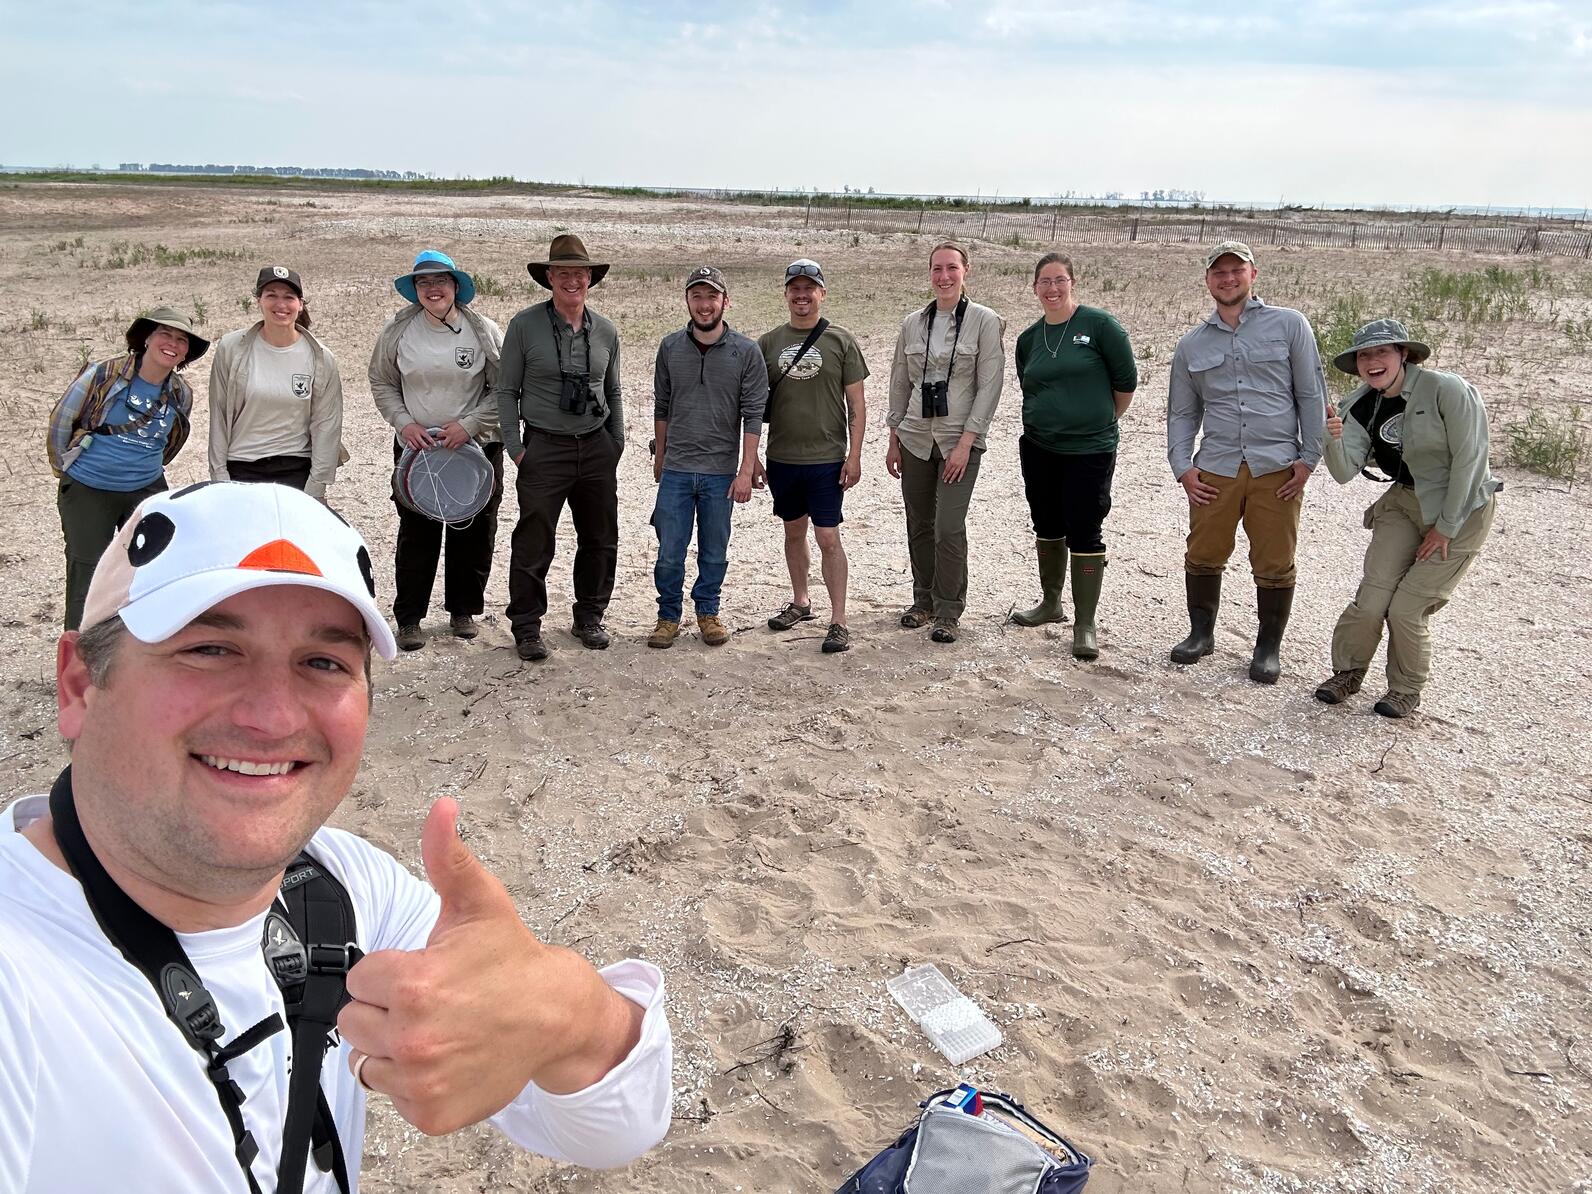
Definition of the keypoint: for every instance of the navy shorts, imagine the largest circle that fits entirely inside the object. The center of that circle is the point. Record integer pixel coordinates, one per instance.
(807, 490)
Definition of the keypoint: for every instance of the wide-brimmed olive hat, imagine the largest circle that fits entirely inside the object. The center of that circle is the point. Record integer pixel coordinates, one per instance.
(167, 317)
(1377, 334)
(566, 249)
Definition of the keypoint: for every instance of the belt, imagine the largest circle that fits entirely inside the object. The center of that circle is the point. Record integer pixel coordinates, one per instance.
(563, 436)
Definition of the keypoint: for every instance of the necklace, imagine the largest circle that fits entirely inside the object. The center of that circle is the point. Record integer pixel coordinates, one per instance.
(1045, 337)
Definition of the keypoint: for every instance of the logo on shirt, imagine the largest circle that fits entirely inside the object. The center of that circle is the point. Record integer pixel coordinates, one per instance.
(301, 385)
(812, 361)
(1393, 431)
(464, 357)
(1081, 338)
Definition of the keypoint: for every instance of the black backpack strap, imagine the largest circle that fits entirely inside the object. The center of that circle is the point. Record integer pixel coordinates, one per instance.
(153, 949)
(818, 330)
(318, 915)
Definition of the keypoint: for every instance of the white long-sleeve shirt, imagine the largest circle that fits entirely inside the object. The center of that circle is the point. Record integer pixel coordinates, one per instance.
(99, 1091)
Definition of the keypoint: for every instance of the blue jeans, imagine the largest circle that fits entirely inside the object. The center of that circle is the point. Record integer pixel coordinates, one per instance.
(684, 498)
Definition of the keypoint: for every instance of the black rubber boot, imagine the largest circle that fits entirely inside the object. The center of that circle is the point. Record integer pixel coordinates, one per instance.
(1273, 606)
(1204, 598)
(1052, 583)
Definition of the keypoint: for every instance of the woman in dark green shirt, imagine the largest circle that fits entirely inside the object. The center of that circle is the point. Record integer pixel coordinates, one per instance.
(1076, 369)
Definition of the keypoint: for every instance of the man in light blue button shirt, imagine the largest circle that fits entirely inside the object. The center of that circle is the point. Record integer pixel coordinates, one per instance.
(1251, 378)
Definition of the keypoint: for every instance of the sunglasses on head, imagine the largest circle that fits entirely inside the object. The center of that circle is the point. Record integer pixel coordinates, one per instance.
(803, 269)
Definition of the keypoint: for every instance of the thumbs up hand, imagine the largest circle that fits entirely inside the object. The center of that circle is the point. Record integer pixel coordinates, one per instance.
(454, 1032)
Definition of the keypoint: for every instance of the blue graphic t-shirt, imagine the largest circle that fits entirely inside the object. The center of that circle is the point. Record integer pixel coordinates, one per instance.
(127, 460)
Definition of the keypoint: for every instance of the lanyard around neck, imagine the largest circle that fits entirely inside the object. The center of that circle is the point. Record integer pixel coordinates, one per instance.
(956, 335)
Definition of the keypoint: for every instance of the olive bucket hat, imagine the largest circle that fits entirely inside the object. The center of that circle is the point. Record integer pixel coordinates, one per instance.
(566, 249)
(1377, 334)
(167, 317)
(432, 262)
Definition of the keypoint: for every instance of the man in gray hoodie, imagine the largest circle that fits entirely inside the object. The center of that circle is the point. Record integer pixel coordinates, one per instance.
(709, 389)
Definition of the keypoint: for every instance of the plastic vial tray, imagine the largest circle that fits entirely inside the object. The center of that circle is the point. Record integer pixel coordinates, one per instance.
(952, 1022)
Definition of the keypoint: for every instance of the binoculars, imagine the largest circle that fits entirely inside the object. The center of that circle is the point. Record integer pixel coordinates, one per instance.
(935, 403)
(575, 396)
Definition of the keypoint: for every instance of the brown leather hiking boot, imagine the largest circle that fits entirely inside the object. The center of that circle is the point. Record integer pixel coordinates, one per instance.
(714, 633)
(1397, 704)
(1341, 686)
(663, 634)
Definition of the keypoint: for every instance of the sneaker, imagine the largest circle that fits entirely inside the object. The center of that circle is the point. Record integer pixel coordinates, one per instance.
(1397, 704)
(713, 631)
(410, 638)
(790, 615)
(945, 630)
(1341, 686)
(915, 618)
(463, 626)
(838, 639)
(663, 634)
(531, 647)
(592, 636)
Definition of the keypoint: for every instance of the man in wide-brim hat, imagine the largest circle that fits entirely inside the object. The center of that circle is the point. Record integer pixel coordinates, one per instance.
(1427, 433)
(562, 422)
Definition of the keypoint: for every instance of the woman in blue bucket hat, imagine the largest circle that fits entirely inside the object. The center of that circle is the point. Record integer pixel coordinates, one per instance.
(431, 375)
(1426, 433)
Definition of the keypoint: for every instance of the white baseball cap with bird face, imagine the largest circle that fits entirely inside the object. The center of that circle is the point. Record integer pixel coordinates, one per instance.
(181, 553)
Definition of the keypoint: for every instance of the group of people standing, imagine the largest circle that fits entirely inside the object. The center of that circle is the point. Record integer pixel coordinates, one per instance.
(1246, 383)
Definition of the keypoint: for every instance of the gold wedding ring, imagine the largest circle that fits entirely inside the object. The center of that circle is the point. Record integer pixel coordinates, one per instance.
(359, 1070)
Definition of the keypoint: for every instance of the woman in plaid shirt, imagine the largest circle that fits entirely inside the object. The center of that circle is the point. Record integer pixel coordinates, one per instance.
(112, 434)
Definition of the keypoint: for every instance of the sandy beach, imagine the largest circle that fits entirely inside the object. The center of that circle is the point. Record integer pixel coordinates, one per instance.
(1235, 940)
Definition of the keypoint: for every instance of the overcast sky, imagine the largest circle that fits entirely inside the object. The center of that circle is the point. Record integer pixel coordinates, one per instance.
(1321, 101)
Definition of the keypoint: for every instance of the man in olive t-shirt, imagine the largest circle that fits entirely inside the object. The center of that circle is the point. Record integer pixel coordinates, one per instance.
(815, 414)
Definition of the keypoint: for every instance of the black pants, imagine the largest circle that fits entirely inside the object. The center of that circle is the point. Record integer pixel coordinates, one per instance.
(582, 470)
(469, 561)
(281, 470)
(90, 518)
(1068, 496)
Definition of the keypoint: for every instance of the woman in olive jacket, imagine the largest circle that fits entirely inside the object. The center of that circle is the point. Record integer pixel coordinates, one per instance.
(1427, 433)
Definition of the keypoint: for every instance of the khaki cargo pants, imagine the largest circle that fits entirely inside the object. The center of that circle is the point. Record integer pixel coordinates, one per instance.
(1271, 524)
(1401, 591)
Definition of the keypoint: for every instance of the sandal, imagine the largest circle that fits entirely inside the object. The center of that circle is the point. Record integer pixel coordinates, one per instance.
(790, 615)
(838, 639)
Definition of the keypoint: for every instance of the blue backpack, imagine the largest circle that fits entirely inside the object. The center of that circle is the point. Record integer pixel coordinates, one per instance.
(965, 1140)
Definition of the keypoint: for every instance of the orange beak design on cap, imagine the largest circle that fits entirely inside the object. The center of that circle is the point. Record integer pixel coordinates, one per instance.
(279, 555)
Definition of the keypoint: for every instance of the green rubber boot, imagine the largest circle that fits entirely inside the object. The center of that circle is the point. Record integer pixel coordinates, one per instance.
(1088, 572)
(1052, 582)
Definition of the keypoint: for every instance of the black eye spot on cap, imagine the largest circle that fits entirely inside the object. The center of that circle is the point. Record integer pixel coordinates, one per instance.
(151, 536)
(187, 489)
(364, 570)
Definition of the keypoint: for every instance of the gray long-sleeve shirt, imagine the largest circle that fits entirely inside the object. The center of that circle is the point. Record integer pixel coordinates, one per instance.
(1258, 390)
(709, 399)
(535, 349)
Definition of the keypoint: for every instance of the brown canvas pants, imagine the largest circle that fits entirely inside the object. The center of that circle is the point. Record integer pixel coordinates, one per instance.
(1270, 524)
(583, 471)
(1402, 591)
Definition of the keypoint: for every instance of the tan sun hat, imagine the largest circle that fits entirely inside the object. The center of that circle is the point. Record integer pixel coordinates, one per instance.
(167, 317)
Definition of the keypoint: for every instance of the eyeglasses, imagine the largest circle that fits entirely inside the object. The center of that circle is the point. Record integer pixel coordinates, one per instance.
(1053, 283)
(804, 269)
(433, 276)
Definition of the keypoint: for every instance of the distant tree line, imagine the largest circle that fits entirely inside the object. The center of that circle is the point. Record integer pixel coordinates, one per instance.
(286, 171)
